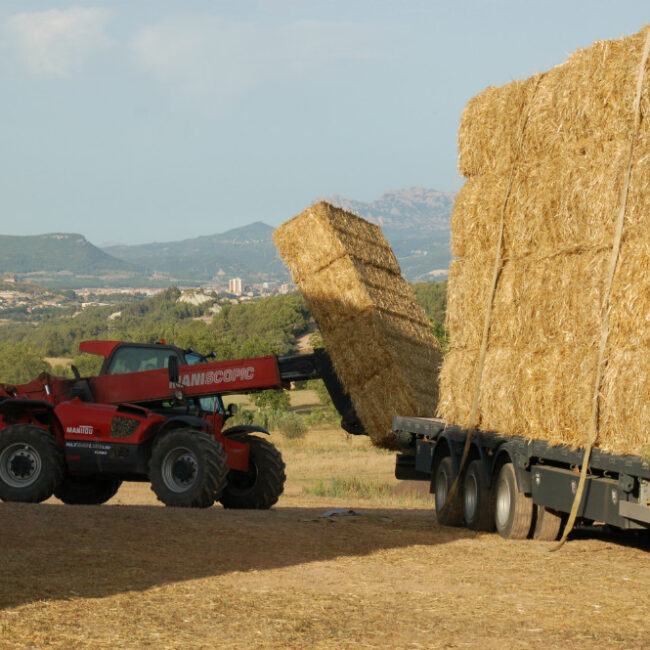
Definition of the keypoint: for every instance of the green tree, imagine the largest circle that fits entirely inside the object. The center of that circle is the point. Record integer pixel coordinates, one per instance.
(21, 363)
(274, 400)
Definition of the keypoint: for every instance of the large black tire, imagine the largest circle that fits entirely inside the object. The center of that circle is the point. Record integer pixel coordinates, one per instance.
(478, 499)
(514, 510)
(31, 464)
(547, 524)
(261, 486)
(87, 490)
(444, 477)
(188, 469)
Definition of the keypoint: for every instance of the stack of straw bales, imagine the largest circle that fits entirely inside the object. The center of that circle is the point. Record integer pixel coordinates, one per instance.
(553, 150)
(377, 335)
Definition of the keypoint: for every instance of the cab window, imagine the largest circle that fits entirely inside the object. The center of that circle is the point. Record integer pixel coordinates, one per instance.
(133, 359)
(205, 403)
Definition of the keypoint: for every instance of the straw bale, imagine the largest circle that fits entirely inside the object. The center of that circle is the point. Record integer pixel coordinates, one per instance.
(376, 412)
(574, 126)
(551, 300)
(378, 337)
(487, 138)
(324, 234)
(625, 410)
(589, 95)
(474, 219)
(564, 204)
(360, 287)
(546, 394)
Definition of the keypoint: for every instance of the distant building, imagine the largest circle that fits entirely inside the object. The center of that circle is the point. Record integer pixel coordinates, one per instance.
(286, 287)
(235, 286)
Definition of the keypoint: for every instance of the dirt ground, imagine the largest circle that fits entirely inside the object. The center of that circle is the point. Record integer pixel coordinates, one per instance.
(133, 574)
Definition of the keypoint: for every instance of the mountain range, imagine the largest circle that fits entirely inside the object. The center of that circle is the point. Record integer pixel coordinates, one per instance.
(415, 221)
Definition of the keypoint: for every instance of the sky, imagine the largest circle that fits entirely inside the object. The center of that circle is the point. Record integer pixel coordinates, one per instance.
(152, 120)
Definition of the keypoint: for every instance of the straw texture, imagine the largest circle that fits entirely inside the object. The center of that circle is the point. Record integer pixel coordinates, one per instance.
(558, 235)
(378, 337)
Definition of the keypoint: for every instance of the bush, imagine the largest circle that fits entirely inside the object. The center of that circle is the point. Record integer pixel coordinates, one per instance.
(291, 426)
(242, 417)
(276, 400)
(323, 417)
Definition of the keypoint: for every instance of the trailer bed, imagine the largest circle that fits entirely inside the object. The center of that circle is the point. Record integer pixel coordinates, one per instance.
(617, 491)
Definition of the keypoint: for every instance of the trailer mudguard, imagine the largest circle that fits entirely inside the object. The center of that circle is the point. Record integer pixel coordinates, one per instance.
(509, 452)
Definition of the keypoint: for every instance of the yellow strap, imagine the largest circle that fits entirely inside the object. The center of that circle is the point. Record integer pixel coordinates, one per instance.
(605, 308)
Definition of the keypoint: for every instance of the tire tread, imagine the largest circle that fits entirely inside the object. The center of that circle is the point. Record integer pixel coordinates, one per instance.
(270, 472)
(214, 479)
(52, 462)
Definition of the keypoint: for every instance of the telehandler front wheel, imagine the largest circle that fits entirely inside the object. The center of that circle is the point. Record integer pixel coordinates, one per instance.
(31, 464)
(188, 469)
(87, 491)
(261, 486)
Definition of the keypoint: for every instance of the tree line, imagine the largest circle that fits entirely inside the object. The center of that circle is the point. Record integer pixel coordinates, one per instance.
(268, 326)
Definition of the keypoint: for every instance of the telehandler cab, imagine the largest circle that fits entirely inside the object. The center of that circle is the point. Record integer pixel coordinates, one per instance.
(154, 413)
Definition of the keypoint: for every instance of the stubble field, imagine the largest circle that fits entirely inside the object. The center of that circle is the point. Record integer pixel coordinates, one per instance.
(134, 574)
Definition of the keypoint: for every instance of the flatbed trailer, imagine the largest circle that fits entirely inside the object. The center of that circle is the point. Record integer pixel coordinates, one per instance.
(523, 488)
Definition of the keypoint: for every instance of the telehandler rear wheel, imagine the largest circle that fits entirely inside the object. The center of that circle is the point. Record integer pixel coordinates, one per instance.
(87, 491)
(31, 464)
(261, 486)
(188, 469)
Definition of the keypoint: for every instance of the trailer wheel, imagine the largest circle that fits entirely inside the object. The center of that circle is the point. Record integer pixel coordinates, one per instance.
(188, 469)
(547, 525)
(513, 509)
(31, 464)
(261, 486)
(478, 499)
(443, 480)
(87, 490)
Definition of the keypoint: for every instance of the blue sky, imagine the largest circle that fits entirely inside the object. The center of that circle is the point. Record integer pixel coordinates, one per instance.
(156, 120)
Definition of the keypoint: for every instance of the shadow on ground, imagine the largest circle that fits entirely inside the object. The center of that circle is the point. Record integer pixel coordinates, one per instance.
(57, 552)
(52, 552)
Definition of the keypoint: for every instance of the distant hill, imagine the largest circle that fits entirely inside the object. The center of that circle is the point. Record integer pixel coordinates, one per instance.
(415, 209)
(55, 252)
(246, 252)
(63, 260)
(415, 222)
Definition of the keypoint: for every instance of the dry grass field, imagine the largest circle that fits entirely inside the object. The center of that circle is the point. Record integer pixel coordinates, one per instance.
(133, 574)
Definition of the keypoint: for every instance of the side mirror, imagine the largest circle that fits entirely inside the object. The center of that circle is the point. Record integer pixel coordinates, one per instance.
(172, 369)
(231, 409)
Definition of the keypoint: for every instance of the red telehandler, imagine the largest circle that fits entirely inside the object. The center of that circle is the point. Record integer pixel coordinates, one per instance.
(154, 413)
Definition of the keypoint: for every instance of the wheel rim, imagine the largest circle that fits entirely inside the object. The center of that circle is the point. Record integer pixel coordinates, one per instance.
(471, 497)
(180, 469)
(20, 465)
(442, 483)
(503, 505)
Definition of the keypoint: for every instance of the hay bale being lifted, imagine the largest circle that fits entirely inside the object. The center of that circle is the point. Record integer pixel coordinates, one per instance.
(549, 154)
(377, 335)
